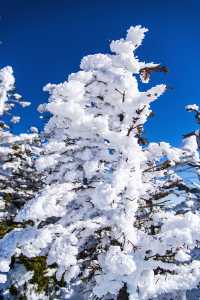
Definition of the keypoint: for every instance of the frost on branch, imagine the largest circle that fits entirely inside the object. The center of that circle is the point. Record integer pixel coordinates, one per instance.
(104, 223)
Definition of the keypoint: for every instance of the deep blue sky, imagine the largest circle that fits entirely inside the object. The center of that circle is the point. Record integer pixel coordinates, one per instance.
(44, 41)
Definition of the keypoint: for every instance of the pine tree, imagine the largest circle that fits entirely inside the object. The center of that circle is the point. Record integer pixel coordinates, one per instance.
(19, 180)
(105, 222)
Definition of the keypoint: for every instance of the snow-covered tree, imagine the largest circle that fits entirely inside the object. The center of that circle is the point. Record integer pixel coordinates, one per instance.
(19, 179)
(187, 169)
(104, 223)
(187, 188)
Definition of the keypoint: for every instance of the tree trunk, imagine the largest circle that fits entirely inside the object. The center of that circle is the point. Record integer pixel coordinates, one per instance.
(123, 294)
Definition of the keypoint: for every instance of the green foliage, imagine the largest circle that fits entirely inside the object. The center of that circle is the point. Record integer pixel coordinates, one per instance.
(38, 266)
(5, 227)
(42, 282)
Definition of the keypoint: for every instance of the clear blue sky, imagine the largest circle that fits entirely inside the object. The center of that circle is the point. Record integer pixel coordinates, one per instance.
(44, 41)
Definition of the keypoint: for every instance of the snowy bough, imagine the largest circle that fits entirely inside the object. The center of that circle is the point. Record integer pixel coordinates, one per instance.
(104, 223)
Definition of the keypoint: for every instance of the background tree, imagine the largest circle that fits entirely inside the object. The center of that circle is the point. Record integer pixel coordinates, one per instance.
(19, 180)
